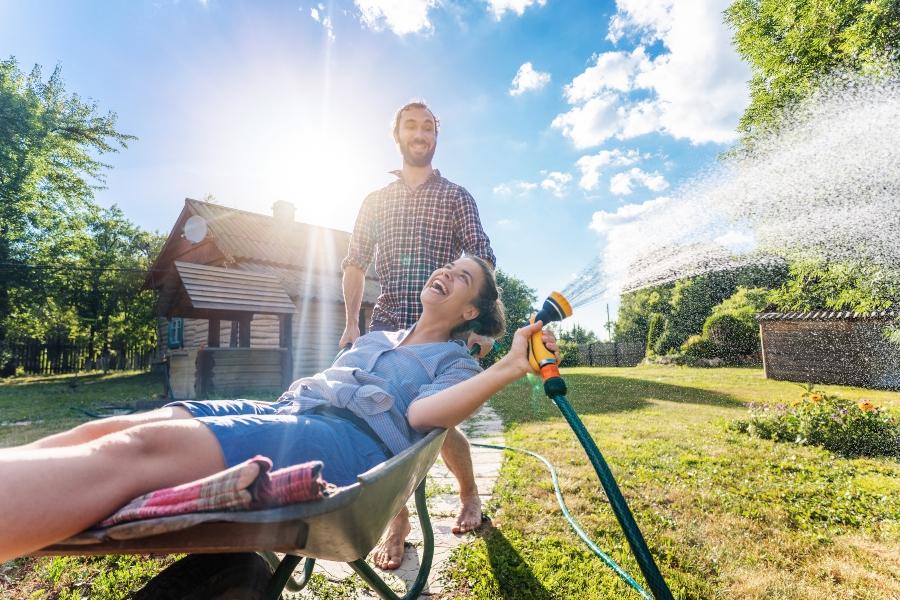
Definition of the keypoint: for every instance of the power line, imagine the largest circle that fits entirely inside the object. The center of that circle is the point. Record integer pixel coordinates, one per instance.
(12, 266)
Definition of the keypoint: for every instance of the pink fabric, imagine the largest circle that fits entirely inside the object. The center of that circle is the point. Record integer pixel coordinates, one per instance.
(245, 486)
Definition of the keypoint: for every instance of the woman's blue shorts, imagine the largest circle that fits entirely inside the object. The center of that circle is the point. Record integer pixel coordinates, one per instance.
(245, 428)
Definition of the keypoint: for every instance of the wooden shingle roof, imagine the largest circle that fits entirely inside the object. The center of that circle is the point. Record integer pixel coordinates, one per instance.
(216, 288)
(826, 315)
(242, 235)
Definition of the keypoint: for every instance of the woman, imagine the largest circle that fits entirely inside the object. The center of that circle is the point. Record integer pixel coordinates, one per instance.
(395, 386)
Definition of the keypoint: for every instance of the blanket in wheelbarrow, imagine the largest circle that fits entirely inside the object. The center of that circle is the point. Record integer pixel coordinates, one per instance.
(248, 485)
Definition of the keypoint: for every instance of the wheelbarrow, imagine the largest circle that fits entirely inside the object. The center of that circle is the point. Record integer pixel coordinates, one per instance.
(342, 527)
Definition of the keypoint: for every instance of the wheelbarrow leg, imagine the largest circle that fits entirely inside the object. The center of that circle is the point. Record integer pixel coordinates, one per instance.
(377, 583)
(283, 573)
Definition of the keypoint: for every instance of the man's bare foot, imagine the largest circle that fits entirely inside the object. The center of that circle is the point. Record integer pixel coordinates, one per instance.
(469, 518)
(388, 554)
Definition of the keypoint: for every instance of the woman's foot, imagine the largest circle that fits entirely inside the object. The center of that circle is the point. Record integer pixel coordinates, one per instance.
(388, 554)
(469, 518)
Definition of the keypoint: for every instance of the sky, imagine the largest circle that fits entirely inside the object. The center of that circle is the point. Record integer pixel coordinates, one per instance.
(563, 118)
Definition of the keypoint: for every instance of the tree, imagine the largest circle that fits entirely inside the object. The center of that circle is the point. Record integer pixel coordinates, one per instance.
(50, 142)
(569, 342)
(518, 301)
(635, 310)
(792, 44)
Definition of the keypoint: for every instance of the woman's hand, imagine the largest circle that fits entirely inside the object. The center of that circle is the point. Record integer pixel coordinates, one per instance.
(516, 360)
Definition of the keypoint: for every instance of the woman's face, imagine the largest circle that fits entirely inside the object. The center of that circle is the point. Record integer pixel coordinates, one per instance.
(453, 288)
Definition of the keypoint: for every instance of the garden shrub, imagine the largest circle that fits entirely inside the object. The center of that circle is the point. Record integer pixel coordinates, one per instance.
(818, 419)
(654, 331)
(697, 346)
(731, 334)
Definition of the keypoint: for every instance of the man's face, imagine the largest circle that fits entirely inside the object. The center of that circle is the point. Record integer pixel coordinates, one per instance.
(417, 137)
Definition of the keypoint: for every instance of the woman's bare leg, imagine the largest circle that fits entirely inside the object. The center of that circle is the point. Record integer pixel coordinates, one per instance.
(50, 494)
(93, 430)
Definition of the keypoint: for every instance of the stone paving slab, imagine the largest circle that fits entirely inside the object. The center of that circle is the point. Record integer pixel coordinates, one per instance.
(483, 427)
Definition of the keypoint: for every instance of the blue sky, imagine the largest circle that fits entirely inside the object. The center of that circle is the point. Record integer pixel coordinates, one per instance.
(564, 119)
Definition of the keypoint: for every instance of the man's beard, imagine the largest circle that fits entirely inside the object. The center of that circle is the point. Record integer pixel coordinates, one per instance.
(414, 161)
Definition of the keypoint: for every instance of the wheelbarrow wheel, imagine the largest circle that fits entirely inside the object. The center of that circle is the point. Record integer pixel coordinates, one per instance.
(240, 576)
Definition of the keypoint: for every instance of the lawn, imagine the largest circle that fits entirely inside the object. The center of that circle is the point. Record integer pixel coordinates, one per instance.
(726, 516)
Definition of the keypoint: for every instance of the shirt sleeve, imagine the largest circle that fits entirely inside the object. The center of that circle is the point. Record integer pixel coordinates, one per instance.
(457, 370)
(362, 241)
(468, 228)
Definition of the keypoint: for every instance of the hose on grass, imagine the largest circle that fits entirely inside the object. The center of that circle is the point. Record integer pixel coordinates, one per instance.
(573, 523)
(617, 501)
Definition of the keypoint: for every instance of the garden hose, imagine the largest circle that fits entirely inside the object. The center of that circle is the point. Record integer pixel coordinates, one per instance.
(610, 562)
(557, 308)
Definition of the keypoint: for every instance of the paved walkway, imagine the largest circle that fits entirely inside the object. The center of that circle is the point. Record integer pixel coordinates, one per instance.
(443, 504)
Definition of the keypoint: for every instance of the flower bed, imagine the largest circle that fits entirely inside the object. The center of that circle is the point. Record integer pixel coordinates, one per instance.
(819, 419)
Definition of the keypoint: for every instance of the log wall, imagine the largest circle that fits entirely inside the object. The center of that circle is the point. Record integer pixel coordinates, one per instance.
(838, 351)
(232, 372)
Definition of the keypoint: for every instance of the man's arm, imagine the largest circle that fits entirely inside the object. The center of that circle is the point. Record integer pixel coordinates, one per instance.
(474, 241)
(359, 255)
(468, 227)
(354, 282)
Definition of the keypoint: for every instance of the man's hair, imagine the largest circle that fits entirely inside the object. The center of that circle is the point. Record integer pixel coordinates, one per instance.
(491, 319)
(414, 104)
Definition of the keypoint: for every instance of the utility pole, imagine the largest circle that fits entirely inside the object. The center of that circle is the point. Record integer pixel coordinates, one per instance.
(609, 324)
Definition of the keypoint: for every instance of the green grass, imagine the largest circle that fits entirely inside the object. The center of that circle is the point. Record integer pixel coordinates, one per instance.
(725, 515)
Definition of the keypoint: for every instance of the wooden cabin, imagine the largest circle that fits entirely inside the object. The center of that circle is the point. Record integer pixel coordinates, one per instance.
(836, 347)
(249, 302)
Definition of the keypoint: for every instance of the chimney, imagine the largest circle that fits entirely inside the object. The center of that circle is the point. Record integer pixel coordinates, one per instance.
(283, 211)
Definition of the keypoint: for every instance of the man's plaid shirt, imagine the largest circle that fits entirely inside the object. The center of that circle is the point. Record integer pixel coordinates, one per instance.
(415, 232)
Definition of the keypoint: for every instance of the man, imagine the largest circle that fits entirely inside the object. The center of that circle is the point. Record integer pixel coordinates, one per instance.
(417, 223)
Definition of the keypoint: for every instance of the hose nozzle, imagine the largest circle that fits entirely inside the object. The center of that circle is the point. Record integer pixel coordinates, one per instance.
(555, 308)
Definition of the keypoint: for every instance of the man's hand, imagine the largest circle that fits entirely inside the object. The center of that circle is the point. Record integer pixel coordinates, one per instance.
(485, 344)
(351, 332)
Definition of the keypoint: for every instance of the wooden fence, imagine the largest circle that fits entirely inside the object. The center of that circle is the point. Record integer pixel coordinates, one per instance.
(59, 356)
(611, 354)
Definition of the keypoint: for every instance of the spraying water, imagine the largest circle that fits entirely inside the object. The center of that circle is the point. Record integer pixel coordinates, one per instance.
(827, 187)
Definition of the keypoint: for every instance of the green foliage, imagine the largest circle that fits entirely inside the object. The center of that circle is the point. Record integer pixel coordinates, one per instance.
(518, 301)
(67, 267)
(697, 346)
(633, 321)
(820, 419)
(569, 342)
(731, 331)
(731, 335)
(819, 284)
(792, 44)
(654, 331)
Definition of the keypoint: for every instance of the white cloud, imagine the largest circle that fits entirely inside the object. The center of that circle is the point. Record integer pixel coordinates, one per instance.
(508, 224)
(592, 123)
(557, 183)
(400, 16)
(316, 14)
(527, 80)
(647, 19)
(612, 70)
(622, 184)
(697, 85)
(605, 222)
(591, 165)
(514, 188)
(499, 7)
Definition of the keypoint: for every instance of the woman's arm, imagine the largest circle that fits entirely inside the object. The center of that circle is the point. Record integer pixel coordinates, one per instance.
(452, 406)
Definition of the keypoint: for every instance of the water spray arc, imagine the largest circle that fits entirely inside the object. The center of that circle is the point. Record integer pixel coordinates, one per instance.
(556, 308)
